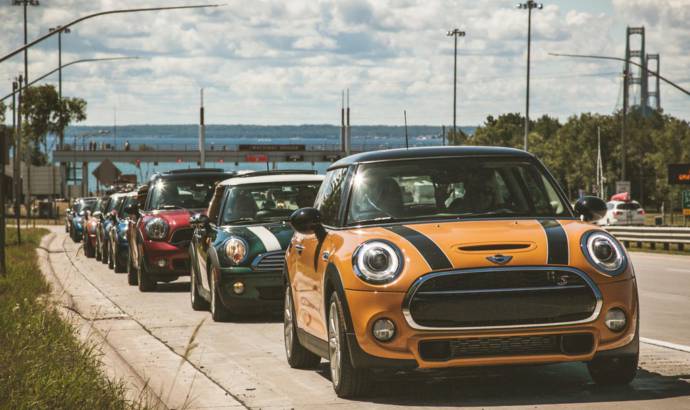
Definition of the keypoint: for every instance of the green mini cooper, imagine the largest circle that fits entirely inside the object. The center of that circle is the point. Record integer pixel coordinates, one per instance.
(238, 247)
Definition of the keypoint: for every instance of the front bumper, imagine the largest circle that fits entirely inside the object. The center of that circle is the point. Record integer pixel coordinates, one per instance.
(262, 290)
(404, 349)
(165, 260)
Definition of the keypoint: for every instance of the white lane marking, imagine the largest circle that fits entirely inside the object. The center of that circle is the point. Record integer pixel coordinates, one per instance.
(667, 345)
(267, 238)
(678, 270)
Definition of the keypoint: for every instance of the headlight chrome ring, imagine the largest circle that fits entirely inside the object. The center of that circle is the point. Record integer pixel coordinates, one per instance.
(377, 262)
(604, 252)
(236, 250)
(157, 229)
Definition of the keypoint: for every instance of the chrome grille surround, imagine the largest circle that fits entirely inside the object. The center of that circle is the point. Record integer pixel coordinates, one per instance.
(269, 262)
(420, 281)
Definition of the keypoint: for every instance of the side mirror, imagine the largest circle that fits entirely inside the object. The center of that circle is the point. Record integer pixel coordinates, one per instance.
(199, 220)
(590, 208)
(306, 221)
(131, 209)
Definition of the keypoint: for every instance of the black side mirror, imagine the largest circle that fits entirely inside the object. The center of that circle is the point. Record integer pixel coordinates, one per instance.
(131, 209)
(306, 221)
(199, 220)
(590, 208)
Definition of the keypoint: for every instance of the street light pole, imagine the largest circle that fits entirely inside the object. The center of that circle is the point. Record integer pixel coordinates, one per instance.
(60, 30)
(529, 5)
(17, 160)
(25, 4)
(455, 33)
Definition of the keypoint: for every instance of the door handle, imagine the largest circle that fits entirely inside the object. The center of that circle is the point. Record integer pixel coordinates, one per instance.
(299, 248)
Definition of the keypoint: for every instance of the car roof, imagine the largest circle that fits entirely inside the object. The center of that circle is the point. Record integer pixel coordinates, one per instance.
(616, 202)
(187, 173)
(429, 152)
(247, 180)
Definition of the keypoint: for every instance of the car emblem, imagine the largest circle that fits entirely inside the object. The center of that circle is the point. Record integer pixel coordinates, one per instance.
(499, 259)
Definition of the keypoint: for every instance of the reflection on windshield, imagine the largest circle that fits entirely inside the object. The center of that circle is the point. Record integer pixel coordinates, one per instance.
(452, 188)
(267, 202)
(182, 193)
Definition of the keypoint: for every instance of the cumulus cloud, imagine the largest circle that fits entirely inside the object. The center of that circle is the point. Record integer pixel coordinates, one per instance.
(270, 61)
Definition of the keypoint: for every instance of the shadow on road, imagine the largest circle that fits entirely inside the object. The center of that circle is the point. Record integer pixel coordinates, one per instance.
(172, 287)
(514, 385)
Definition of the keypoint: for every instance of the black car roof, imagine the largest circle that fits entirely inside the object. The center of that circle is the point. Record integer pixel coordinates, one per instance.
(193, 172)
(429, 152)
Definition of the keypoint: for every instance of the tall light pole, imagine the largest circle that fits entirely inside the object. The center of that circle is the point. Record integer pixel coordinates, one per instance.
(455, 33)
(529, 5)
(26, 4)
(60, 31)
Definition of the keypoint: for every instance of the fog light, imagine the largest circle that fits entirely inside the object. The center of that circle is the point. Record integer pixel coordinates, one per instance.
(615, 320)
(162, 263)
(384, 330)
(238, 288)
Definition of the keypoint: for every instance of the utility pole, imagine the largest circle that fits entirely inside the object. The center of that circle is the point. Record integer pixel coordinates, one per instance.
(25, 4)
(407, 142)
(60, 31)
(529, 5)
(455, 33)
(443, 135)
(18, 161)
(202, 133)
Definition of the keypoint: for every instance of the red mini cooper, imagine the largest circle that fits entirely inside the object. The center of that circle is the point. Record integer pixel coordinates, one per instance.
(159, 238)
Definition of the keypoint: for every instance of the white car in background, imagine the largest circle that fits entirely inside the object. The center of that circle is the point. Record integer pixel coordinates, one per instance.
(623, 213)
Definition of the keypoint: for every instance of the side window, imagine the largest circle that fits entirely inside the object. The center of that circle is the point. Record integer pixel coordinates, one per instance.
(329, 196)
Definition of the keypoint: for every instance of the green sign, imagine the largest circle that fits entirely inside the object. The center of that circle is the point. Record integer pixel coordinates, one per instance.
(686, 202)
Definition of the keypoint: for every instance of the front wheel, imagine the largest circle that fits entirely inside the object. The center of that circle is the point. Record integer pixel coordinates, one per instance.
(198, 303)
(146, 284)
(348, 381)
(297, 356)
(111, 256)
(613, 371)
(219, 313)
(132, 274)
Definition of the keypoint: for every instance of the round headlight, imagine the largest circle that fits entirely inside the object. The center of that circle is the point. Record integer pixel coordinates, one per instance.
(157, 229)
(236, 250)
(604, 252)
(377, 262)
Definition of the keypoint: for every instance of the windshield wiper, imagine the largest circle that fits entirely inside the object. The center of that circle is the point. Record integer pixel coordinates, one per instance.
(169, 206)
(237, 220)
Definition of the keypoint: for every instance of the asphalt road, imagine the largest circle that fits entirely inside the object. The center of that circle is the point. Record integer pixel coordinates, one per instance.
(245, 361)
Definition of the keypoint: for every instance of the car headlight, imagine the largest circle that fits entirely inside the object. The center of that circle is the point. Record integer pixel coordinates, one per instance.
(604, 252)
(377, 262)
(236, 250)
(157, 229)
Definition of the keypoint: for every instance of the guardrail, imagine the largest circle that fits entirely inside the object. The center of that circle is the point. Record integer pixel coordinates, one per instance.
(664, 236)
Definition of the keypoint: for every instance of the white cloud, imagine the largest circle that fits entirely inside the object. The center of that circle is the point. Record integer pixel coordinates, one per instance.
(270, 61)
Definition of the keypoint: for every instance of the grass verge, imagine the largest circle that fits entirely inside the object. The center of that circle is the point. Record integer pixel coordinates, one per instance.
(42, 363)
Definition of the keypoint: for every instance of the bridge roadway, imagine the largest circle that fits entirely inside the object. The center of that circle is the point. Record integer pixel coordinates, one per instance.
(244, 363)
(212, 156)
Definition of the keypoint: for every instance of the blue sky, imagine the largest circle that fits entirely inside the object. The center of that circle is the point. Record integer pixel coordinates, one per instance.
(286, 62)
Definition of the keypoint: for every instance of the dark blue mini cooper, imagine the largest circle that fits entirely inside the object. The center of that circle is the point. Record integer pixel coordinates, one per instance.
(238, 246)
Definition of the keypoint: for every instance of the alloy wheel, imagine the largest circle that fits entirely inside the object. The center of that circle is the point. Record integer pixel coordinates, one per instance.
(334, 343)
(287, 323)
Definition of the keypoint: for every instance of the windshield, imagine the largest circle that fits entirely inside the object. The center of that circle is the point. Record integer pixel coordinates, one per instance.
(114, 203)
(182, 193)
(452, 188)
(267, 202)
(129, 200)
(84, 206)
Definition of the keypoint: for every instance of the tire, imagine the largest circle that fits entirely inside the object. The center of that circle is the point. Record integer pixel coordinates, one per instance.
(198, 303)
(111, 256)
(613, 371)
(98, 248)
(104, 253)
(146, 284)
(348, 382)
(132, 275)
(297, 356)
(219, 313)
(89, 250)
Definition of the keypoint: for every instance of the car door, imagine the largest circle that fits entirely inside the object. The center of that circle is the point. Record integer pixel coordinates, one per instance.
(311, 264)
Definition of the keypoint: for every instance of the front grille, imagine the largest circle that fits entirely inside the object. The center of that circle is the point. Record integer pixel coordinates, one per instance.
(269, 262)
(182, 235)
(501, 297)
(271, 292)
(442, 350)
(181, 264)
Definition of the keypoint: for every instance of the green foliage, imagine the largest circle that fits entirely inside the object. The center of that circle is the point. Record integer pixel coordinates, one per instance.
(3, 110)
(42, 364)
(45, 113)
(569, 150)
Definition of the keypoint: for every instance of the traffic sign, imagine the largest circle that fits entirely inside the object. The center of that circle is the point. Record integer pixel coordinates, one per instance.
(686, 202)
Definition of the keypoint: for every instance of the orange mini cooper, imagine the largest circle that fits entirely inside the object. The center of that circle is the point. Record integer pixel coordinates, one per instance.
(455, 256)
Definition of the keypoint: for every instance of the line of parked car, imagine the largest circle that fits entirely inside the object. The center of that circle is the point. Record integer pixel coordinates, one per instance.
(418, 258)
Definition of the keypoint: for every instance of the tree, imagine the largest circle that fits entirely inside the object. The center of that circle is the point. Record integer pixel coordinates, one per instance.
(45, 113)
(3, 109)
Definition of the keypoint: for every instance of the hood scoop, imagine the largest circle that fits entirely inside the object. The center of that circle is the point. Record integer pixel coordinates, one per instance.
(496, 247)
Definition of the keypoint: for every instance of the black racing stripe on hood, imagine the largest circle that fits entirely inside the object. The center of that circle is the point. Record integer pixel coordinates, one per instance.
(433, 255)
(557, 241)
